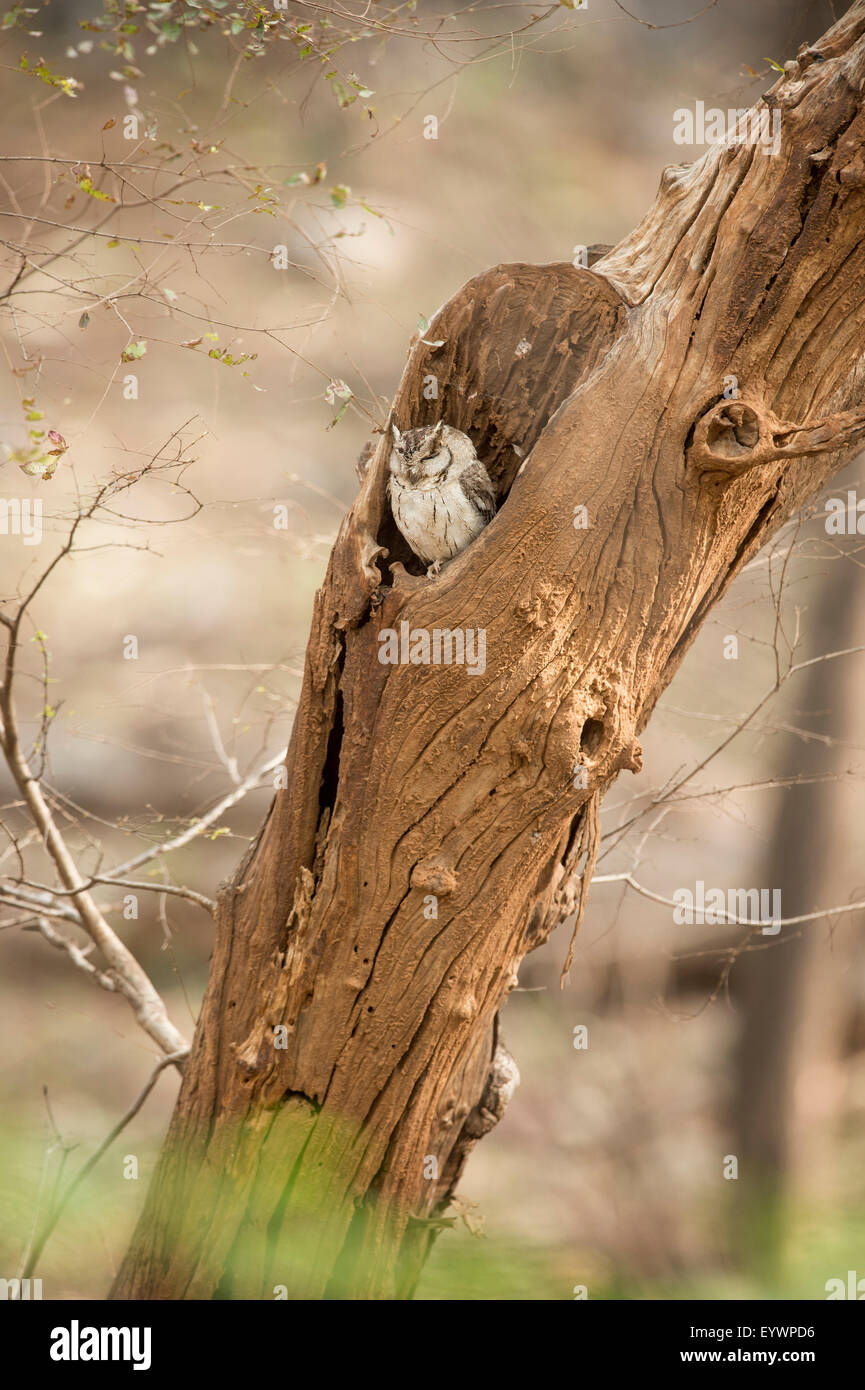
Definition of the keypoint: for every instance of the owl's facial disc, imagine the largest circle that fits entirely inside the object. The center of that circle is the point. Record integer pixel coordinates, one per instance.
(435, 464)
(398, 464)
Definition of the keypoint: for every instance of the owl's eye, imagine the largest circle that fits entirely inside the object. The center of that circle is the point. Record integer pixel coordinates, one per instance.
(434, 463)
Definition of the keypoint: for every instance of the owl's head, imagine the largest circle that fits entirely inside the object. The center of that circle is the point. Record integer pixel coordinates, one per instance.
(420, 454)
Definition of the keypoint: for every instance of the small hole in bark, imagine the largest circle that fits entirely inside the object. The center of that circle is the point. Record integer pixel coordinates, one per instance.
(369, 1008)
(590, 738)
(330, 772)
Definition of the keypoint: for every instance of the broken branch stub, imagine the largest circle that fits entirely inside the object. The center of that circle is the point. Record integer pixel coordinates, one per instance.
(736, 435)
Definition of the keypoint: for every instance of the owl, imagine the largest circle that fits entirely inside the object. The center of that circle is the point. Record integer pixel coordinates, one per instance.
(440, 493)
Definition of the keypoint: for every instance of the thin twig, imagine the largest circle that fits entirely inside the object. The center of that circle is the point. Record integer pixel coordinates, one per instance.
(249, 783)
(57, 1210)
(727, 917)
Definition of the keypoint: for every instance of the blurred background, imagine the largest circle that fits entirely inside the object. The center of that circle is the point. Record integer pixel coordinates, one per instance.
(611, 1169)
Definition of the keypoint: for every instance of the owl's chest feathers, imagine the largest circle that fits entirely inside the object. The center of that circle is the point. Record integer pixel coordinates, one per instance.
(437, 519)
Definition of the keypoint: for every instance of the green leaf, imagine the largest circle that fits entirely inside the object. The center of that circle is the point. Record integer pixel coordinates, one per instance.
(133, 351)
(338, 390)
(423, 325)
(343, 96)
(86, 186)
(338, 416)
(44, 73)
(359, 87)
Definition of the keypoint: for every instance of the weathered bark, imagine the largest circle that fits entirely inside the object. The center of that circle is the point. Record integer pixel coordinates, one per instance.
(306, 1166)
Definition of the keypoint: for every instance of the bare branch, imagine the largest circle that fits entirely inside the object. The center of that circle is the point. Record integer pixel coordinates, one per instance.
(57, 1209)
(250, 783)
(729, 918)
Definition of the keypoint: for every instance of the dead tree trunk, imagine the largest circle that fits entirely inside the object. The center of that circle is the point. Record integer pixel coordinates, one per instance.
(414, 787)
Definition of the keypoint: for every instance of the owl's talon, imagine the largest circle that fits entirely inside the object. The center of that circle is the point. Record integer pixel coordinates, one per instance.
(434, 569)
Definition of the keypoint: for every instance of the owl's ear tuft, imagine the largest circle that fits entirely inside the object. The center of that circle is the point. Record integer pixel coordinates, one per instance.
(436, 432)
(397, 437)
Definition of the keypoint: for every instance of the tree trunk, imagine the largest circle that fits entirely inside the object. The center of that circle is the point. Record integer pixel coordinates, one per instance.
(430, 789)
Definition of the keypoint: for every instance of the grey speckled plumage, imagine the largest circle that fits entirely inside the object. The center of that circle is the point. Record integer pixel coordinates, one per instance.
(440, 493)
